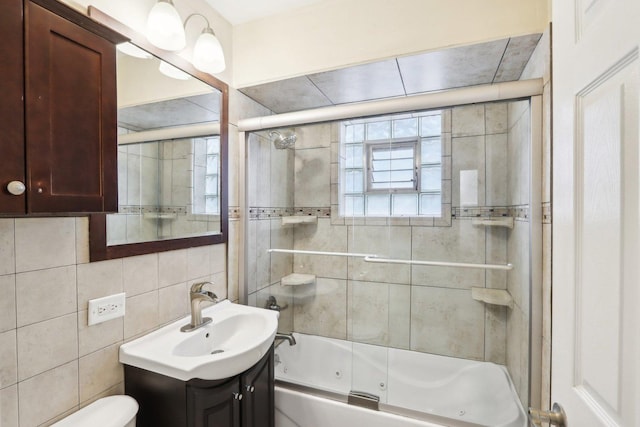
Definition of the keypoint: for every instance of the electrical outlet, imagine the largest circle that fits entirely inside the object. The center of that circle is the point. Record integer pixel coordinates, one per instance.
(106, 308)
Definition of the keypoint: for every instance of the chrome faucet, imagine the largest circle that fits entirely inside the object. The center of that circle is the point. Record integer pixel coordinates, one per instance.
(198, 296)
(285, 337)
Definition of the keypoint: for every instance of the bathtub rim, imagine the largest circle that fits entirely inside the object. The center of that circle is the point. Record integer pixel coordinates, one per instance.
(383, 407)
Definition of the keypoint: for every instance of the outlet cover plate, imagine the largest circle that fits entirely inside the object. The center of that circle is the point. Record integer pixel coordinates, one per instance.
(106, 308)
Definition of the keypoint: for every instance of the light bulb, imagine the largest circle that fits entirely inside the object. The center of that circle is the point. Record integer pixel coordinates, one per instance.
(164, 27)
(207, 53)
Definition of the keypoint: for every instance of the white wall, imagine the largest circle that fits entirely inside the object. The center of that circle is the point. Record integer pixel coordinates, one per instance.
(140, 82)
(339, 33)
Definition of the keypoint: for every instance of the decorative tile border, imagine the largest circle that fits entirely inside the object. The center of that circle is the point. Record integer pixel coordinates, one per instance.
(480, 212)
(519, 213)
(138, 209)
(274, 212)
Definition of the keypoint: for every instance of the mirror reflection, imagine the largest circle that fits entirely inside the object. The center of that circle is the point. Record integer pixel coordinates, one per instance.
(168, 153)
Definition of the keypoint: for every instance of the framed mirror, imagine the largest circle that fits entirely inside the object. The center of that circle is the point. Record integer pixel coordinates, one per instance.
(172, 154)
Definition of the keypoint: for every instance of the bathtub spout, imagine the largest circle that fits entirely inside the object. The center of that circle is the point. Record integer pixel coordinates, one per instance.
(286, 337)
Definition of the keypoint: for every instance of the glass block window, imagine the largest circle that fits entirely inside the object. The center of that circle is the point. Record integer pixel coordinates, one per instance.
(392, 166)
(212, 174)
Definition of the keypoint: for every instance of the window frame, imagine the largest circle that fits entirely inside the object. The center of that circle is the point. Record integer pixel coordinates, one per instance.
(392, 143)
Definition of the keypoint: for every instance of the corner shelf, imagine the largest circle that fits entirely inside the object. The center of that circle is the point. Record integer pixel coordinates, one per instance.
(505, 221)
(298, 279)
(492, 296)
(299, 219)
(159, 215)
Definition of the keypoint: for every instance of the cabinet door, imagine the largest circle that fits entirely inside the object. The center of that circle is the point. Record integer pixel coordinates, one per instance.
(258, 405)
(11, 105)
(217, 406)
(71, 150)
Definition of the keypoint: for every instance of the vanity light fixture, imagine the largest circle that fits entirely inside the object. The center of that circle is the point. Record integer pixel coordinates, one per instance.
(166, 31)
(164, 27)
(208, 56)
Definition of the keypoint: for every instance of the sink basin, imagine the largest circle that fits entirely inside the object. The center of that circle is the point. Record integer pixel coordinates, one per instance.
(237, 339)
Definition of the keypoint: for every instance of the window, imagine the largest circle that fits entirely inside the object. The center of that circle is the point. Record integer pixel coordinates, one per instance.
(392, 166)
(212, 187)
(206, 186)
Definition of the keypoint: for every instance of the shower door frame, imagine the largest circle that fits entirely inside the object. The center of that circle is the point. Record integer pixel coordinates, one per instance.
(530, 90)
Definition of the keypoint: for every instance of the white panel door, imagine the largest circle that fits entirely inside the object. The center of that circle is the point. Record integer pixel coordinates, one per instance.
(596, 258)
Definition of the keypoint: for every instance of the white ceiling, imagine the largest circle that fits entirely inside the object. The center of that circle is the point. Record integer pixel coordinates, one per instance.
(241, 11)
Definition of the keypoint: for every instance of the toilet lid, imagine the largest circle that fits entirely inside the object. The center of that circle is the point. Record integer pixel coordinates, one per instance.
(112, 411)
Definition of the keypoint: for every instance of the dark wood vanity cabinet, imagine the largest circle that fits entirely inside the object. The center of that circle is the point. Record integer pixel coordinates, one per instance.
(257, 386)
(58, 110)
(246, 400)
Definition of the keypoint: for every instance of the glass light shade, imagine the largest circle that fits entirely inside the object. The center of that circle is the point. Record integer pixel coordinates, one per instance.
(173, 72)
(207, 53)
(133, 50)
(164, 27)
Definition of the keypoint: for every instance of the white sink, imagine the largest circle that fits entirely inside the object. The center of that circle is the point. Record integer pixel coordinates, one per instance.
(237, 339)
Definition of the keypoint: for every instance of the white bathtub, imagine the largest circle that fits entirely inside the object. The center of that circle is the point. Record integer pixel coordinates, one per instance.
(432, 388)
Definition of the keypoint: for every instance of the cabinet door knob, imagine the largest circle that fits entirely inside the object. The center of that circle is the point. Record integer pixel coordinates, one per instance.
(250, 388)
(16, 188)
(237, 396)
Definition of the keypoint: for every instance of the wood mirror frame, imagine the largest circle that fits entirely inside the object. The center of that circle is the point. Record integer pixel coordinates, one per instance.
(98, 248)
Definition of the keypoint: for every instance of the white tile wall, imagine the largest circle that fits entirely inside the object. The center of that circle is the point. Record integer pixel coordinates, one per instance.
(312, 177)
(324, 312)
(44, 243)
(45, 294)
(55, 391)
(48, 353)
(446, 322)
(7, 248)
(8, 358)
(45, 345)
(379, 303)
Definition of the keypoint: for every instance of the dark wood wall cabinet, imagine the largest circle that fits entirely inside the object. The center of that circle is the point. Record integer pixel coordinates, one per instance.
(58, 110)
(246, 400)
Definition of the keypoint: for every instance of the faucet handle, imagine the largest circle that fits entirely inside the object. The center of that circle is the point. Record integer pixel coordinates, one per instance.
(196, 288)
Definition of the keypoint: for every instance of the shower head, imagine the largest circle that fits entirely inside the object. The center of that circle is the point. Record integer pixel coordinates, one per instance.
(283, 140)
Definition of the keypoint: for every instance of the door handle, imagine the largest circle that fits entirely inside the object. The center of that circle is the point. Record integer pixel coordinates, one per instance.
(555, 417)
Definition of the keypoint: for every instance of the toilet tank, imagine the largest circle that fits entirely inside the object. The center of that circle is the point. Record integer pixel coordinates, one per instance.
(112, 411)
